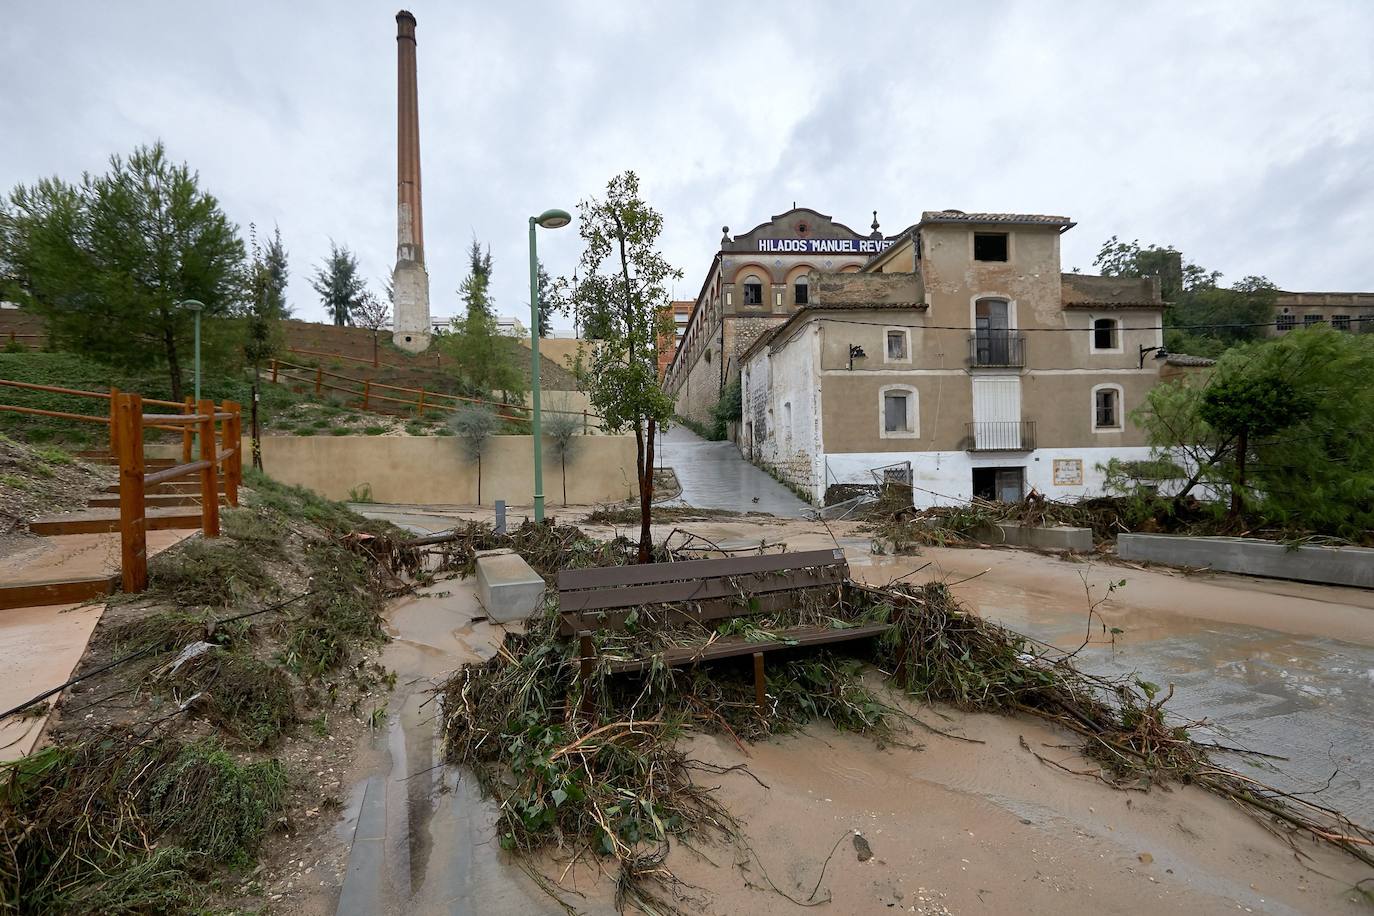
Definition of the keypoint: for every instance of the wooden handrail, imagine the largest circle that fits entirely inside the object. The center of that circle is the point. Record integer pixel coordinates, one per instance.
(217, 469)
(56, 413)
(172, 473)
(77, 392)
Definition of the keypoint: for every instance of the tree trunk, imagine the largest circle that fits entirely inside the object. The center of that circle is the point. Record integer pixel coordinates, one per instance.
(169, 343)
(563, 464)
(1237, 504)
(645, 460)
(479, 478)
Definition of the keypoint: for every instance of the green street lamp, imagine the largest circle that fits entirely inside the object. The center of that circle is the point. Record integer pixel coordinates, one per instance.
(196, 307)
(549, 219)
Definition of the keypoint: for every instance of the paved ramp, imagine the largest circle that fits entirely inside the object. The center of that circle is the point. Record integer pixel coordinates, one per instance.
(714, 476)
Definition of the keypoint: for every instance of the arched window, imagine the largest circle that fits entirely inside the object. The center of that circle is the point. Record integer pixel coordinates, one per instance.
(753, 290)
(1107, 334)
(801, 291)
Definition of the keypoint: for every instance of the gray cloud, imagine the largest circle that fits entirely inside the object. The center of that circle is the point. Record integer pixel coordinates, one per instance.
(1239, 133)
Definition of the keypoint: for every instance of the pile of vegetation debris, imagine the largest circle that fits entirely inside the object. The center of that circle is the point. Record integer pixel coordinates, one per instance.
(179, 746)
(900, 528)
(37, 480)
(596, 768)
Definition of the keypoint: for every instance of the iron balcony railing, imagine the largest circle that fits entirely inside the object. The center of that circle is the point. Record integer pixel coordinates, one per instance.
(1001, 436)
(997, 348)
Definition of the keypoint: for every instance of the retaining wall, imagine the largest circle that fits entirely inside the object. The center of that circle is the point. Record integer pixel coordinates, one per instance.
(437, 469)
(1330, 565)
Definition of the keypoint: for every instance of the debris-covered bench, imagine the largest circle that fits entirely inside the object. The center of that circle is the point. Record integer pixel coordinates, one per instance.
(707, 592)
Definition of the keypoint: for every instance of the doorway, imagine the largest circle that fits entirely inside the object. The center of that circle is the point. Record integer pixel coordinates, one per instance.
(1006, 485)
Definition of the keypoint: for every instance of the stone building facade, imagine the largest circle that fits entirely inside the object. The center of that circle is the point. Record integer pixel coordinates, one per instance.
(1342, 311)
(960, 360)
(754, 283)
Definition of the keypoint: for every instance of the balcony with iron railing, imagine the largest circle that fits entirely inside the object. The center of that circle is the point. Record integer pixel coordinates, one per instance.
(997, 349)
(1000, 436)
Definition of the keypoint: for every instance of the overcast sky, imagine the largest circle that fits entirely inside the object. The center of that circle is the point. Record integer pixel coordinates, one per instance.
(1242, 133)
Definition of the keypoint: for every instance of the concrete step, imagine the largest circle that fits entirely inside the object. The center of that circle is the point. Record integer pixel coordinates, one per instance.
(92, 521)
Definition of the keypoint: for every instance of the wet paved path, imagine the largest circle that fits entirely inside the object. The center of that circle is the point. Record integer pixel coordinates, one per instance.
(714, 476)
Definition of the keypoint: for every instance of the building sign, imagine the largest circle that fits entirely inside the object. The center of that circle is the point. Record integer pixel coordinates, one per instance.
(824, 246)
(1068, 472)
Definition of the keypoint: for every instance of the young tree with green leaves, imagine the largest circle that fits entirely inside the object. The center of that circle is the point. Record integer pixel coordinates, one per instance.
(622, 288)
(339, 283)
(107, 261)
(482, 357)
(263, 314)
(1283, 425)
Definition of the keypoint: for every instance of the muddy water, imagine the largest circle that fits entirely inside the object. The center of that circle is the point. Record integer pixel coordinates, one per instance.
(422, 837)
(1303, 696)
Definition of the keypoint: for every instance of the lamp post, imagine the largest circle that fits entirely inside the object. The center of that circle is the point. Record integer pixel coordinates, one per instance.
(196, 307)
(549, 219)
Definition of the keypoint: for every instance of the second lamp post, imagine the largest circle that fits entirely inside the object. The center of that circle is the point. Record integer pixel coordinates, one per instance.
(549, 219)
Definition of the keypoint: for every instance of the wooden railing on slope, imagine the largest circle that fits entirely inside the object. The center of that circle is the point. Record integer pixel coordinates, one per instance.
(127, 421)
(424, 400)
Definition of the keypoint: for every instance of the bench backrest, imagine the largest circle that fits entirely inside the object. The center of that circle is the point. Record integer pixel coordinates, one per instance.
(592, 599)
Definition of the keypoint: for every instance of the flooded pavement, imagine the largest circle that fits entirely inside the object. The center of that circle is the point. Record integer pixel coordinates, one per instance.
(714, 476)
(422, 838)
(1298, 682)
(1307, 697)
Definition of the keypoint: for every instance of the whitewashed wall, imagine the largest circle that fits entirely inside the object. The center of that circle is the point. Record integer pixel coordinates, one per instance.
(944, 478)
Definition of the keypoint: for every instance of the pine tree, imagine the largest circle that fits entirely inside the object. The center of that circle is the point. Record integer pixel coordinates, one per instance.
(339, 284)
(106, 263)
(476, 289)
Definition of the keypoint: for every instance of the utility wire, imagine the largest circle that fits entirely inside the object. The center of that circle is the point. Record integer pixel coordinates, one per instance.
(139, 654)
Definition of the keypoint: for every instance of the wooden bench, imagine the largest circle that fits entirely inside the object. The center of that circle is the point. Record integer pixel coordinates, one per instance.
(705, 591)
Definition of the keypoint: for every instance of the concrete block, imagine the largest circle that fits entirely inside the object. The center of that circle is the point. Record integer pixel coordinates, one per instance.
(507, 587)
(1055, 537)
(1353, 566)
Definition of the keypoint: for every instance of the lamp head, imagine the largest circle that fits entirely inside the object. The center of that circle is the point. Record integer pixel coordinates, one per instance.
(194, 305)
(553, 219)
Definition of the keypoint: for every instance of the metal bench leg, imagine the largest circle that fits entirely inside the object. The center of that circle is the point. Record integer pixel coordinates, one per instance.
(760, 697)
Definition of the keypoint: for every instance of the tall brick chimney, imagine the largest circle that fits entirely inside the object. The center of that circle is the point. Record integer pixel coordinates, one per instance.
(409, 280)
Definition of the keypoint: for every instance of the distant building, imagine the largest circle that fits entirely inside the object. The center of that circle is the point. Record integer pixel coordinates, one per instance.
(960, 360)
(754, 282)
(1342, 311)
(680, 310)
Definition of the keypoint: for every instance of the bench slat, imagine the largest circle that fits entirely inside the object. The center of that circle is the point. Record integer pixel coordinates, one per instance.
(654, 573)
(676, 615)
(699, 589)
(731, 646)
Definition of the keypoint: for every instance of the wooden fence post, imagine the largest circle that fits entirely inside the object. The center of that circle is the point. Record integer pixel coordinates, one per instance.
(133, 523)
(274, 371)
(420, 410)
(367, 391)
(584, 423)
(319, 379)
(209, 477)
(187, 433)
(114, 420)
(227, 442)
